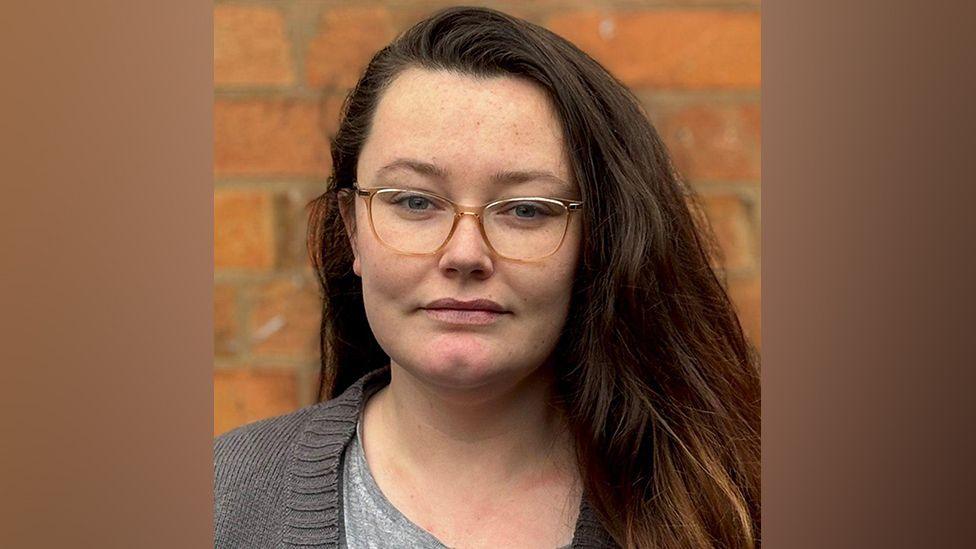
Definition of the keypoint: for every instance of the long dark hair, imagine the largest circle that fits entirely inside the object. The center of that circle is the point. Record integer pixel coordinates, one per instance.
(659, 384)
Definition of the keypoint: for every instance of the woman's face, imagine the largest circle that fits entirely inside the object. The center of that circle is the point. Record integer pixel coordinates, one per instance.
(452, 135)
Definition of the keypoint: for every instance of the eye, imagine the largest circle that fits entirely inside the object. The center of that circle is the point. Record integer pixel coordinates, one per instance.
(529, 210)
(413, 202)
(417, 202)
(525, 210)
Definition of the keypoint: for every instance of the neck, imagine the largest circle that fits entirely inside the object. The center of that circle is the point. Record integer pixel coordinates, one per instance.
(499, 434)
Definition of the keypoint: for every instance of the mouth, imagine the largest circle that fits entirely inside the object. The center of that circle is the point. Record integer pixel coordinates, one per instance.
(478, 312)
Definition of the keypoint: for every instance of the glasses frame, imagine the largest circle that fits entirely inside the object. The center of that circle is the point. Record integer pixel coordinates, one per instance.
(367, 194)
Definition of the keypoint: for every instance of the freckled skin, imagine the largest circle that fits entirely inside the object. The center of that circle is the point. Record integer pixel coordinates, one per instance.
(473, 128)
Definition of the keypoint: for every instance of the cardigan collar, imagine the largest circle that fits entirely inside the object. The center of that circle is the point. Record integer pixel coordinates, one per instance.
(313, 499)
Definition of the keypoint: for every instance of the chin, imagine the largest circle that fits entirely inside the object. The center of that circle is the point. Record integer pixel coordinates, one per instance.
(459, 372)
(461, 362)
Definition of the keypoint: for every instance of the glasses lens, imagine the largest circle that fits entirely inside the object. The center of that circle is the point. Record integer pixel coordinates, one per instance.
(526, 228)
(411, 221)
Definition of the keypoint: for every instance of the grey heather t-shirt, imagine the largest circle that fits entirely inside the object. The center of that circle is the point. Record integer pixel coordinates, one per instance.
(370, 520)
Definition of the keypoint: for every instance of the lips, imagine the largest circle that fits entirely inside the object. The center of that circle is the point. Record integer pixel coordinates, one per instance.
(473, 305)
(476, 312)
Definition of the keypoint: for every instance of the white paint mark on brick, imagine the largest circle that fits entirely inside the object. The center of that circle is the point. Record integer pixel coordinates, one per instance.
(276, 323)
(608, 28)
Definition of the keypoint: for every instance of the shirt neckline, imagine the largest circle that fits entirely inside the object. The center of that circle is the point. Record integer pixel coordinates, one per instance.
(312, 510)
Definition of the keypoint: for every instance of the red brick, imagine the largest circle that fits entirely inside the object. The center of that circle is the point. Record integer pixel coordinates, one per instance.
(347, 39)
(747, 296)
(408, 13)
(269, 137)
(712, 142)
(251, 47)
(226, 328)
(670, 48)
(243, 230)
(285, 319)
(729, 219)
(753, 123)
(245, 396)
(293, 226)
(331, 106)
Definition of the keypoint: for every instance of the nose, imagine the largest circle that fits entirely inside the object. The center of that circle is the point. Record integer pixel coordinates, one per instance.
(467, 253)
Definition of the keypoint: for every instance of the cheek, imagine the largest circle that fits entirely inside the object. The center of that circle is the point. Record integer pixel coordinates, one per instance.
(383, 293)
(390, 289)
(545, 291)
(383, 276)
(564, 263)
(561, 277)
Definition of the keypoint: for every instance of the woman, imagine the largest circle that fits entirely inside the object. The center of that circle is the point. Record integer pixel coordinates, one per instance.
(523, 341)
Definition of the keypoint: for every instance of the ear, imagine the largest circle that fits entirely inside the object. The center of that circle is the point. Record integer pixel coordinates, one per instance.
(347, 211)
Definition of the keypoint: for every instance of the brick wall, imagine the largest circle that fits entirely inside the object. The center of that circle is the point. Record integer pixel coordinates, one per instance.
(281, 69)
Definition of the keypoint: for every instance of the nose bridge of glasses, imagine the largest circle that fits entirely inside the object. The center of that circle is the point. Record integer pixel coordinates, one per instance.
(477, 225)
(474, 211)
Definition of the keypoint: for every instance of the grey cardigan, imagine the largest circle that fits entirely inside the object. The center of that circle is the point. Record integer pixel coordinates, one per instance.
(277, 481)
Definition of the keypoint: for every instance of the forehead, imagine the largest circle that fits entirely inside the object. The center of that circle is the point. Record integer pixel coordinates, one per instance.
(468, 125)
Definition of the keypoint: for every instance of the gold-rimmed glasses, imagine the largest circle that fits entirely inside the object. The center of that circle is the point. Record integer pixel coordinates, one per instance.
(414, 222)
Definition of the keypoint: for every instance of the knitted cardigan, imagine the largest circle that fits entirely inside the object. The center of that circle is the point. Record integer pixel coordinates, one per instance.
(278, 483)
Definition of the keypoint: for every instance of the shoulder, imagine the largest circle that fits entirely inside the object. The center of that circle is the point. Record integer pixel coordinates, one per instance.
(260, 448)
(250, 473)
(264, 471)
(257, 453)
(257, 448)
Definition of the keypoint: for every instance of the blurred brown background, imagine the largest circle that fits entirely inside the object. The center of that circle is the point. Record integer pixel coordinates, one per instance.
(281, 70)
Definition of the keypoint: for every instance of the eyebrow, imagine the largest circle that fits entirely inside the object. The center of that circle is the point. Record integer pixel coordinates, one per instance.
(505, 177)
(423, 168)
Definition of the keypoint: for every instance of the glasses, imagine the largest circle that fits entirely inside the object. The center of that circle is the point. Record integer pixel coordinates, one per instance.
(421, 223)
